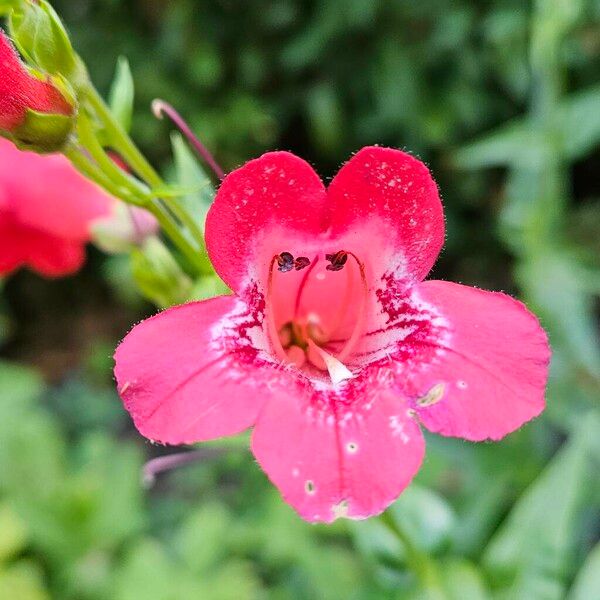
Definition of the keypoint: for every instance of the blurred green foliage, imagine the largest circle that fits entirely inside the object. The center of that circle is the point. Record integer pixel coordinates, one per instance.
(503, 101)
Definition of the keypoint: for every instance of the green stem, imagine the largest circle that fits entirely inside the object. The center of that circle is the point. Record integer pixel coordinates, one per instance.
(184, 216)
(91, 171)
(106, 164)
(423, 566)
(135, 159)
(172, 229)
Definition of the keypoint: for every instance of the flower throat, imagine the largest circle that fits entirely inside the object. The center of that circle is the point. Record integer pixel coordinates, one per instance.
(315, 318)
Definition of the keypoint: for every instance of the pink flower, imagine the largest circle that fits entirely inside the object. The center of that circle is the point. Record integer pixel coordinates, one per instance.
(46, 210)
(20, 91)
(333, 347)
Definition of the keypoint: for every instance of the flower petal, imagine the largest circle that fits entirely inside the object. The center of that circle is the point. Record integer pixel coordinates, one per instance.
(276, 191)
(46, 193)
(396, 191)
(331, 459)
(49, 255)
(186, 374)
(19, 90)
(489, 377)
(52, 256)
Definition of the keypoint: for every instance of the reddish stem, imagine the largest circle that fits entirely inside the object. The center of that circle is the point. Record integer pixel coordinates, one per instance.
(172, 461)
(160, 107)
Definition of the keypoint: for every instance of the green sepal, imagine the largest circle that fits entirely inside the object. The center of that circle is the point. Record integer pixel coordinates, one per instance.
(42, 132)
(6, 6)
(43, 41)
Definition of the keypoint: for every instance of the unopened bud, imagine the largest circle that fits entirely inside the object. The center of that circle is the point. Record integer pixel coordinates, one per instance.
(127, 226)
(35, 113)
(42, 39)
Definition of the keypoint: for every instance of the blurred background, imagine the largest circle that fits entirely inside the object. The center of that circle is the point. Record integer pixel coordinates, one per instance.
(502, 100)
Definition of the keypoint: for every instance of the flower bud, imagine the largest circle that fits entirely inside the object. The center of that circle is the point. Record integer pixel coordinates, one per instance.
(36, 114)
(125, 227)
(157, 274)
(43, 41)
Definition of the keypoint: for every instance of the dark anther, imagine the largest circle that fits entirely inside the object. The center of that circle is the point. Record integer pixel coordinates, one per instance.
(337, 260)
(285, 262)
(301, 262)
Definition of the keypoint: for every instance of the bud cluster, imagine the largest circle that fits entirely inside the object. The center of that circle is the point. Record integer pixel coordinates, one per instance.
(37, 97)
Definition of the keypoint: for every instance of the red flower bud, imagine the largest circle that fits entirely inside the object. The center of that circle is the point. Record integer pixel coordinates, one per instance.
(21, 93)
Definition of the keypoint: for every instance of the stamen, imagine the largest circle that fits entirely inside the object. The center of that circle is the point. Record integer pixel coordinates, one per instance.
(285, 262)
(338, 371)
(315, 332)
(301, 262)
(348, 295)
(337, 260)
(270, 316)
(160, 107)
(360, 319)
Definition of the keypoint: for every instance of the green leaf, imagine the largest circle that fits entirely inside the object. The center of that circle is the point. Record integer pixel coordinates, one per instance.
(19, 386)
(121, 94)
(556, 285)
(461, 580)
(532, 552)
(31, 448)
(326, 117)
(200, 538)
(576, 132)
(22, 581)
(578, 119)
(208, 286)
(147, 572)
(425, 517)
(13, 533)
(191, 176)
(587, 582)
(110, 472)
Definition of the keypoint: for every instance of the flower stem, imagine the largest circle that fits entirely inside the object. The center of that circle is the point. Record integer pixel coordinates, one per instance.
(422, 564)
(159, 107)
(134, 158)
(169, 462)
(169, 222)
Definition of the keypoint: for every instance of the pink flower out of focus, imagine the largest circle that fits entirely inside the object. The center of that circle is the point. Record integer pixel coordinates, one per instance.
(333, 347)
(48, 211)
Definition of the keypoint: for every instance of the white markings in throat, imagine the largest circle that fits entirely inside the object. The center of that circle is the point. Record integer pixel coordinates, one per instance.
(337, 370)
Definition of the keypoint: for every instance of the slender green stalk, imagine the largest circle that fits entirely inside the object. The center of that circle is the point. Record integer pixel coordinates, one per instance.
(106, 164)
(90, 170)
(173, 230)
(135, 159)
(184, 216)
(423, 566)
